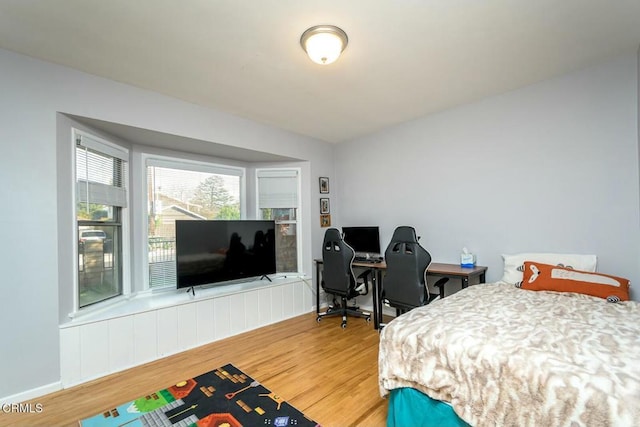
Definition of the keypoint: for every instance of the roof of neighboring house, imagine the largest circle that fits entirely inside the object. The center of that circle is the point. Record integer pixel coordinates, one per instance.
(183, 211)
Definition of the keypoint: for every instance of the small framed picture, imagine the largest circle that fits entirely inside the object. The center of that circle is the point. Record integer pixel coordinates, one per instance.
(324, 185)
(325, 220)
(324, 206)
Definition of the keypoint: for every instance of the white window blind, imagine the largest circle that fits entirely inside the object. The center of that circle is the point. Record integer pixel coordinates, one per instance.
(100, 173)
(277, 189)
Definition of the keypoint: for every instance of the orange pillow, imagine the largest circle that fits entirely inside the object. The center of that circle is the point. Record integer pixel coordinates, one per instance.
(545, 277)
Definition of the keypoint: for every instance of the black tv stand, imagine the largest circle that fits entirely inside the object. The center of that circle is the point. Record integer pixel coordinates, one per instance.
(264, 276)
(192, 289)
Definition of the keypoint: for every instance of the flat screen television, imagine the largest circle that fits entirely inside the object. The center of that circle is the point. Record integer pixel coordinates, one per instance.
(217, 251)
(365, 241)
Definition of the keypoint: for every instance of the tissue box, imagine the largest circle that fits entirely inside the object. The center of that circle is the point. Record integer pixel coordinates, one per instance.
(467, 260)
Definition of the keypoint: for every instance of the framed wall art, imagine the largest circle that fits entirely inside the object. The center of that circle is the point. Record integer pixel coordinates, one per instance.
(324, 206)
(324, 185)
(325, 220)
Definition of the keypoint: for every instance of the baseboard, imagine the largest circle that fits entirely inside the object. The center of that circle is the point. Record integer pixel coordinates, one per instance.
(32, 394)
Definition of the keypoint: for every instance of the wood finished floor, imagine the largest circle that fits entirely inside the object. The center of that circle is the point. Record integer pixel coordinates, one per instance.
(327, 372)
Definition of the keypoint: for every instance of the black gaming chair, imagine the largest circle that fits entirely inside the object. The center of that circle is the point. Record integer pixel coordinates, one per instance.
(404, 285)
(338, 278)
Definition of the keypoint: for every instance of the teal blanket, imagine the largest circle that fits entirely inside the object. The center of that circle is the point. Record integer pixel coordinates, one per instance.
(410, 407)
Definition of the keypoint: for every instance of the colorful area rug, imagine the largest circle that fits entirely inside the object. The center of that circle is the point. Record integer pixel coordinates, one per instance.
(223, 397)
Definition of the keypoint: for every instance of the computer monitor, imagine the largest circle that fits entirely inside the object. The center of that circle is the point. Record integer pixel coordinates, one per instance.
(365, 241)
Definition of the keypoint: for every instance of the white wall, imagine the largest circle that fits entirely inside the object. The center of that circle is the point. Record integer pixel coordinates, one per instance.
(552, 167)
(32, 92)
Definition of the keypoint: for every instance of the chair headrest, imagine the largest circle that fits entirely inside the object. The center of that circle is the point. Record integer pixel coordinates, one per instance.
(404, 233)
(332, 234)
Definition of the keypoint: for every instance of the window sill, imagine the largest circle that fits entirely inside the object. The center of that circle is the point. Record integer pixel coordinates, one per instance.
(154, 300)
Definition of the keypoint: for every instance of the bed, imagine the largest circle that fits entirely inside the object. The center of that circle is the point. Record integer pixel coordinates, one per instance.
(495, 354)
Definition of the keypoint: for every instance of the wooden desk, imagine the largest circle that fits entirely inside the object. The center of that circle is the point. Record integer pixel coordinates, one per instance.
(436, 269)
(454, 271)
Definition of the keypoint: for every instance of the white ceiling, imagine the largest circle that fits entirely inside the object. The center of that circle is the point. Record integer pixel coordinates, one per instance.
(405, 58)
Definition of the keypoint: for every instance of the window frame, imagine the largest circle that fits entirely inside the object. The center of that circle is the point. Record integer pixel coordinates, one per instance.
(299, 217)
(108, 148)
(175, 162)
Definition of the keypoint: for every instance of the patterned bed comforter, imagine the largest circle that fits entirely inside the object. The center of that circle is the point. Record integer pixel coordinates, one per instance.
(506, 356)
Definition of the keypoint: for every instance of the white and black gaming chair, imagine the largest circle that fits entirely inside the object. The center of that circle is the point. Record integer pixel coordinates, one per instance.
(338, 278)
(404, 286)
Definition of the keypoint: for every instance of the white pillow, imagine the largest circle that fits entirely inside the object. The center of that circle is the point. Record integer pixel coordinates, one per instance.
(513, 264)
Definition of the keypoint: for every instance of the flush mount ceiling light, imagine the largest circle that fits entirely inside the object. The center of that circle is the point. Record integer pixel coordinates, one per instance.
(324, 43)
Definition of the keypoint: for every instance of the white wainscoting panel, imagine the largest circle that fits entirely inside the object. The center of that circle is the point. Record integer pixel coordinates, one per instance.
(121, 331)
(288, 309)
(222, 317)
(187, 326)
(252, 310)
(298, 299)
(238, 313)
(204, 321)
(167, 319)
(145, 337)
(97, 347)
(70, 356)
(277, 303)
(264, 307)
(94, 349)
